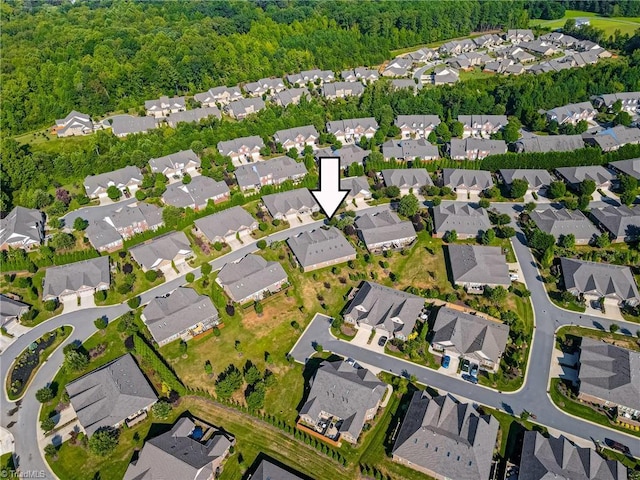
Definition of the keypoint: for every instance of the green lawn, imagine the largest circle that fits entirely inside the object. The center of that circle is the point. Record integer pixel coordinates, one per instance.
(608, 24)
(6, 465)
(624, 341)
(511, 430)
(140, 285)
(31, 295)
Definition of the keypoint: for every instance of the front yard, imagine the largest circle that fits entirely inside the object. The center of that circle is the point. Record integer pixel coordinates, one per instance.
(29, 288)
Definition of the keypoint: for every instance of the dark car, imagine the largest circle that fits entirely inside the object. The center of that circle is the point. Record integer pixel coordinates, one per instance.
(469, 378)
(382, 341)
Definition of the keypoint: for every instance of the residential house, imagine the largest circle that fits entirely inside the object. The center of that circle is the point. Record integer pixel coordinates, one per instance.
(467, 61)
(629, 167)
(537, 178)
(176, 165)
(321, 248)
(560, 222)
(609, 375)
(622, 222)
(409, 150)
(313, 76)
(444, 75)
(243, 107)
(383, 230)
(517, 54)
(467, 221)
(358, 187)
(127, 179)
(467, 181)
(596, 280)
(408, 83)
(353, 129)
(389, 311)
(226, 226)
(343, 395)
(75, 123)
(487, 41)
(164, 105)
(164, 253)
(558, 458)
(297, 138)
(416, 126)
(333, 91)
(291, 204)
(475, 148)
(191, 450)
(181, 314)
(456, 47)
(398, 67)
(360, 74)
(76, 280)
(613, 138)
(444, 438)
(474, 267)
(549, 143)
(11, 309)
(407, 179)
(103, 236)
(629, 101)
(539, 47)
(518, 36)
(572, 113)
(218, 95)
(123, 125)
(275, 171)
(251, 278)
(482, 125)
(349, 154)
(242, 150)
(193, 116)
(506, 66)
(22, 228)
(112, 395)
(575, 175)
(555, 65)
(422, 55)
(196, 194)
(559, 39)
(471, 337)
(269, 469)
(264, 86)
(291, 96)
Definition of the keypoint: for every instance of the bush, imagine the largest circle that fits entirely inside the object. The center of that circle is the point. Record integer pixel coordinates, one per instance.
(44, 394)
(262, 244)
(190, 277)
(51, 450)
(103, 442)
(259, 308)
(263, 226)
(216, 331)
(206, 269)
(151, 275)
(318, 348)
(50, 305)
(217, 246)
(48, 424)
(134, 302)
(161, 409)
(276, 222)
(101, 323)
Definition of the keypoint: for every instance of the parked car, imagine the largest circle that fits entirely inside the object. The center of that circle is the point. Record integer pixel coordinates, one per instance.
(382, 341)
(474, 370)
(465, 366)
(469, 378)
(445, 361)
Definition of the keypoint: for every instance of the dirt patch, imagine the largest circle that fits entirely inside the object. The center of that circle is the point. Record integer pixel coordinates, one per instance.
(348, 331)
(273, 313)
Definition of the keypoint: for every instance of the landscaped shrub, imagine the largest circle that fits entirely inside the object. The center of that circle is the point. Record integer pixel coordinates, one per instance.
(151, 275)
(134, 302)
(190, 277)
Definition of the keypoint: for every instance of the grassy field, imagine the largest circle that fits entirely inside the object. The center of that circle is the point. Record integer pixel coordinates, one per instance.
(608, 24)
(618, 339)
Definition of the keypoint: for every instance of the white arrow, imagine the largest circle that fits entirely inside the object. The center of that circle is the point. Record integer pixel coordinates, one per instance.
(329, 196)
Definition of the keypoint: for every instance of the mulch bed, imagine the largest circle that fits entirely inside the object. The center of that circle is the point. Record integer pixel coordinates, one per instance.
(27, 362)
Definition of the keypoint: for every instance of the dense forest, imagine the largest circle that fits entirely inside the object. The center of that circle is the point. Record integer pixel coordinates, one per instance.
(105, 56)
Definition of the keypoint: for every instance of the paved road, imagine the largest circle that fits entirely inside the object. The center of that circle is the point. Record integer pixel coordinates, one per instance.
(95, 213)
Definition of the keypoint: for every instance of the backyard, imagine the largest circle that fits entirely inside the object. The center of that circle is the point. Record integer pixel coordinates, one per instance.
(608, 24)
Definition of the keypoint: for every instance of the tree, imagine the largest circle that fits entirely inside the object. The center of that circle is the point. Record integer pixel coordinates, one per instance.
(497, 295)
(484, 203)
(443, 132)
(488, 236)
(511, 132)
(541, 241)
(251, 373)
(48, 424)
(557, 189)
(408, 205)
(587, 187)
(62, 241)
(171, 216)
(450, 236)
(262, 244)
(80, 224)
(255, 395)
(51, 450)
(603, 240)
(186, 179)
(101, 323)
(583, 202)
(259, 308)
(151, 275)
(114, 193)
(104, 441)
(518, 188)
(206, 269)
(190, 277)
(228, 382)
(613, 328)
(161, 409)
(567, 241)
(44, 394)
(457, 129)
(392, 191)
(50, 305)
(134, 302)
(623, 118)
(75, 361)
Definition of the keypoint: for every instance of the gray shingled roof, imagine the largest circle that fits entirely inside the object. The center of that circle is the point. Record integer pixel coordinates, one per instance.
(621, 221)
(250, 275)
(601, 279)
(463, 219)
(383, 307)
(478, 265)
(195, 115)
(407, 178)
(74, 276)
(471, 335)
(608, 99)
(119, 178)
(109, 394)
(550, 143)
(417, 121)
(447, 437)
(22, 227)
(610, 372)
(165, 248)
(477, 121)
(101, 234)
(245, 106)
(319, 246)
(226, 222)
(289, 202)
(462, 178)
(536, 178)
(177, 455)
(232, 146)
(310, 76)
(351, 124)
(567, 111)
(196, 193)
(267, 470)
(614, 137)
(174, 161)
(344, 391)
(137, 212)
(409, 149)
(277, 169)
(356, 185)
(296, 134)
(217, 94)
(558, 459)
(164, 102)
(10, 308)
(122, 125)
(290, 96)
(348, 154)
(562, 221)
(74, 120)
(264, 84)
(458, 147)
(630, 167)
(383, 227)
(183, 308)
(575, 175)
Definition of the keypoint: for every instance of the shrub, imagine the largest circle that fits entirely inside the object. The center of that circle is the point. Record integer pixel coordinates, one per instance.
(50, 305)
(276, 222)
(134, 302)
(206, 269)
(48, 424)
(51, 450)
(318, 348)
(103, 442)
(217, 246)
(259, 308)
(262, 244)
(216, 331)
(151, 275)
(44, 394)
(101, 323)
(190, 277)
(263, 226)
(161, 409)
